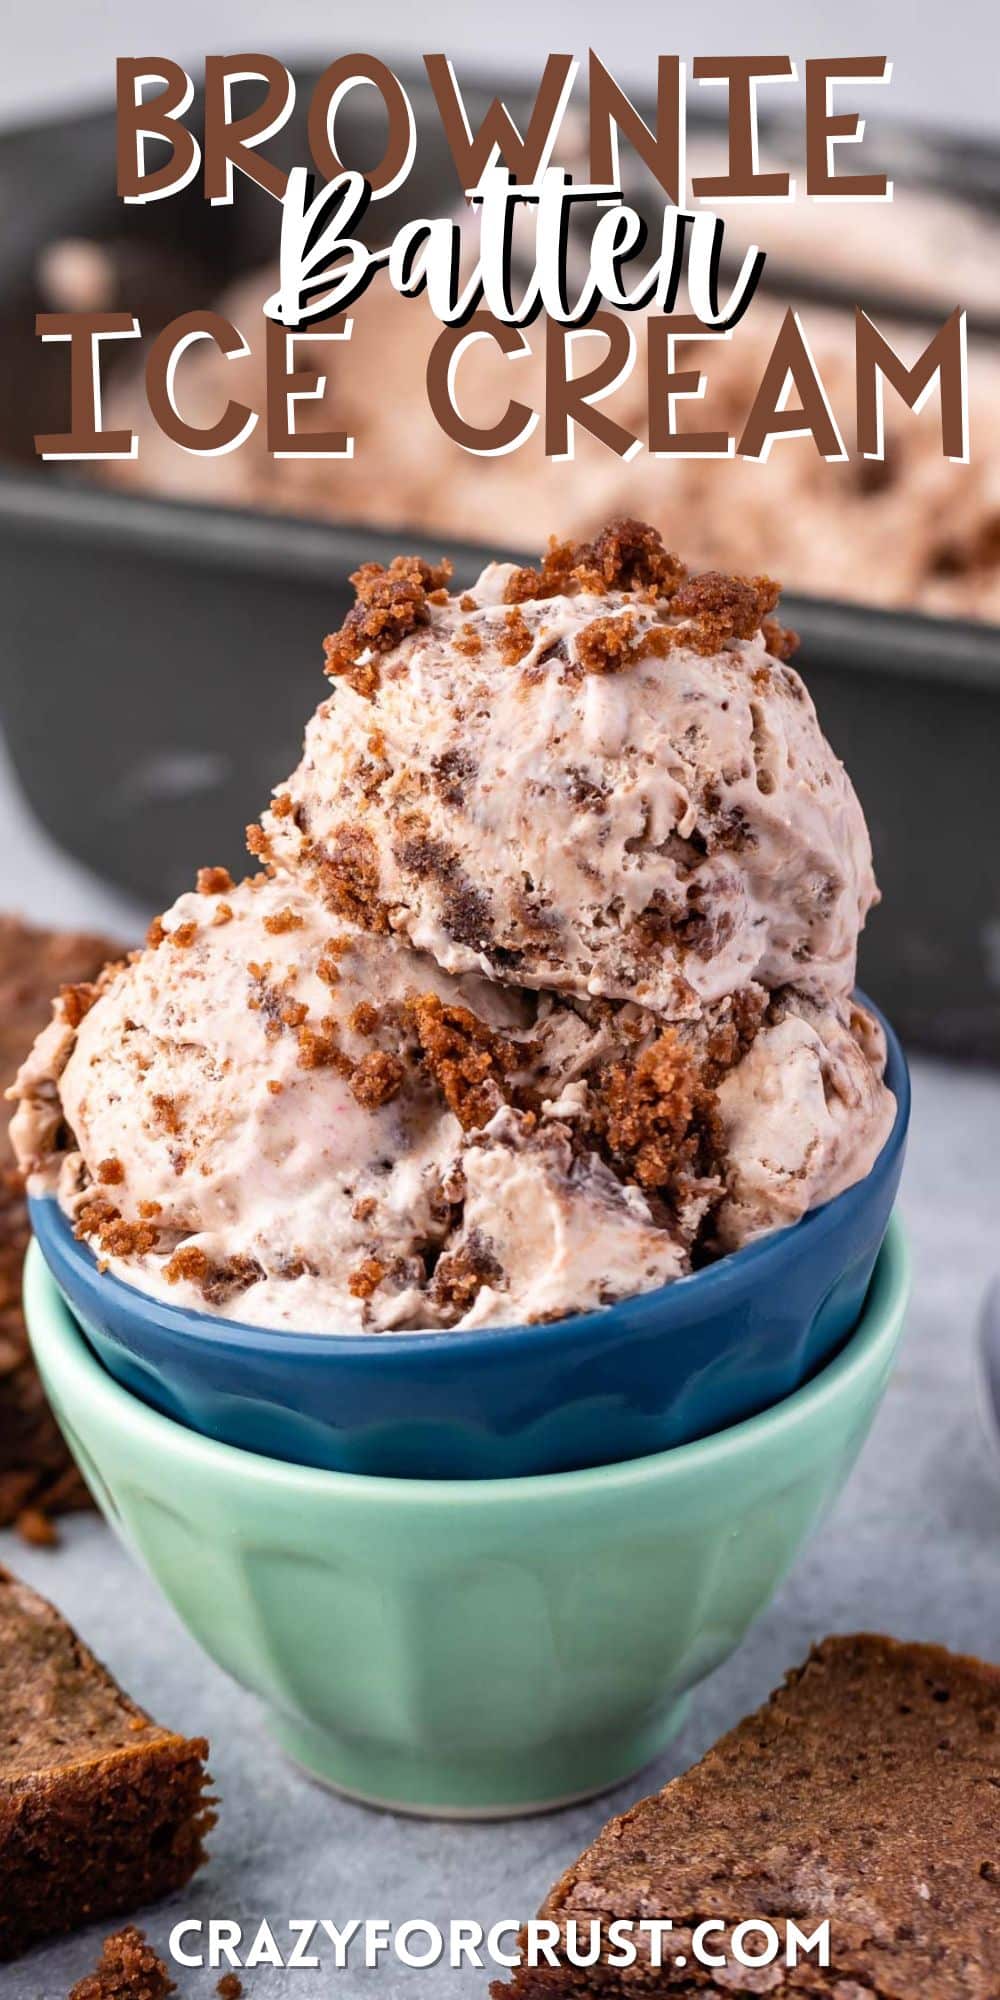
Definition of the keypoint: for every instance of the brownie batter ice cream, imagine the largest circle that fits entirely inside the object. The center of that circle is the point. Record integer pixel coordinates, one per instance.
(601, 776)
(542, 996)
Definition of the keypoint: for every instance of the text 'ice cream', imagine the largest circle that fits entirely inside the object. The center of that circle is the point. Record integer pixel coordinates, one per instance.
(542, 996)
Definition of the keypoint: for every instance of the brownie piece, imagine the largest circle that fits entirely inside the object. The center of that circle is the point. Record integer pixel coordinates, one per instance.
(101, 1810)
(128, 1969)
(37, 1475)
(866, 1791)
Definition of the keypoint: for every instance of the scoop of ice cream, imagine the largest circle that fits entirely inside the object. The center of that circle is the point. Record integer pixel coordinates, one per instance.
(602, 777)
(285, 1119)
(804, 1115)
(248, 1111)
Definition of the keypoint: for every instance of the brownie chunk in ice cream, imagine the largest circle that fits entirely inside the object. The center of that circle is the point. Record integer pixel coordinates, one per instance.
(542, 996)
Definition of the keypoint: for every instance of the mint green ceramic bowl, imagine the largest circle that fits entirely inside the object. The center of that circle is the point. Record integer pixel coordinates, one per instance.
(470, 1647)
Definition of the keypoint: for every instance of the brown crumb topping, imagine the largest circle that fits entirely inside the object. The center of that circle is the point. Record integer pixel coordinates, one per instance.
(366, 1278)
(626, 555)
(115, 1236)
(722, 608)
(365, 1018)
(283, 920)
(468, 639)
(516, 639)
(229, 1987)
(779, 639)
(189, 1264)
(110, 1173)
(156, 934)
(377, 1079)
(608, 645)
(470, 1062)
(77, 1001)
(184, 935)
(283, 806)
(391, 603)
(258, 842)
(213, 881)
(630, 556)
(319, 1048)
(223, 913)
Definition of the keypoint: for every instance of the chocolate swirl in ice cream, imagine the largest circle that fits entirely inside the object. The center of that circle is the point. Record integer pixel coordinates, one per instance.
(542, 996)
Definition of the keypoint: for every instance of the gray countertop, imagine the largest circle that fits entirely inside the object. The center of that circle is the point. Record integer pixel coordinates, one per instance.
(912, 1548)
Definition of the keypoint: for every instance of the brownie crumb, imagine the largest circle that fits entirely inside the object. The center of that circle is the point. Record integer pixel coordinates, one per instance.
(609, 645)
(166, 1111)
(128, 1969)
(377, 1079)
(319, 1048)
(516, 638)
(779, 639)
(366, 1278)
(283, 806)
(723, 608)
(110, 1173)
(348, 871)
(462, 1273)
(184, 935)
(36, 1528)
(282, 921)
(225, 1281)
(77, 1001)
(229, 1987)
(468, 639)
(365, 1018)
(391, 603)
(626, 555)
(213, 881)
(659, 1119)
(116, 1236)
(470, 1062)
(189, 1264)
(258, 842)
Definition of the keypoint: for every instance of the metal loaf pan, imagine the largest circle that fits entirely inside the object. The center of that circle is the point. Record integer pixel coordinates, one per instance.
(158, 659)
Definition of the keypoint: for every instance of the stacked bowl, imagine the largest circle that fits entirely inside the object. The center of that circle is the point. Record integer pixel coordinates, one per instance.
(478, 1572)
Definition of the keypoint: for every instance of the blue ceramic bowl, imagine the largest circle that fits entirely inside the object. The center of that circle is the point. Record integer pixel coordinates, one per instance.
(663, 1369)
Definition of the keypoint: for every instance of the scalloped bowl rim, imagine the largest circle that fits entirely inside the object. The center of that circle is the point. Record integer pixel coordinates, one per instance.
(711, 1282)
(879, 1327)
